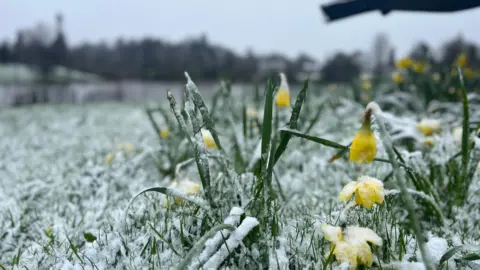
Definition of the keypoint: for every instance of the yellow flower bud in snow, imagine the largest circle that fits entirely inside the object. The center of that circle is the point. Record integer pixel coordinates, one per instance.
(283, 95)
(164, 133)
(351, 245)
(208, 139)
(186, 186)
(398, 77)
(429, 126)
(368, 191)
(109, 158)
(128, 147)
(364, 145)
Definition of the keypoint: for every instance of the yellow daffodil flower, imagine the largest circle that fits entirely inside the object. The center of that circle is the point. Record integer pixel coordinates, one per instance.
(282, 98)
(429, 141)
(109, 159)
(404, 63)
(128, 147)
(366, 85)
(368, 191)
(186, 186)
(364, 145)
(164, 133)
(351, 245)
(397, 77)
(462, 60)
(418, 67)
(208, 139)
(429, 126)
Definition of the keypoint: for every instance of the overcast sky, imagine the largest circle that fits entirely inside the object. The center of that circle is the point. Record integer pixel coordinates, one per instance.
(285, 26)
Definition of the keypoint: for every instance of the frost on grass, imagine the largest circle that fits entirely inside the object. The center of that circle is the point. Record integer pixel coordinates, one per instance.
(55, 187)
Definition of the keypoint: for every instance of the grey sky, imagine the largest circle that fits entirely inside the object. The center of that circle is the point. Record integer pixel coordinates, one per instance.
(285, 26)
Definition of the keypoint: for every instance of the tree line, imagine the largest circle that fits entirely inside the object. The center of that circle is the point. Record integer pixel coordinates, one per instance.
(45, 47)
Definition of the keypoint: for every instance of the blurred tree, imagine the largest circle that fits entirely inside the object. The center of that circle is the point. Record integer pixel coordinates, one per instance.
(422, 52)
(341, 68)
(5, 53)
(451, 50)
(381, 53)
(59, 50)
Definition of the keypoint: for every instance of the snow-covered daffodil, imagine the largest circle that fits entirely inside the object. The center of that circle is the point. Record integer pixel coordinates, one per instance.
(368, 191)
(186, 186)
(364, 145)
(164, 133)
(397, 77)
(208, 139)
(429, 126)
(351, 244)
(282, 98)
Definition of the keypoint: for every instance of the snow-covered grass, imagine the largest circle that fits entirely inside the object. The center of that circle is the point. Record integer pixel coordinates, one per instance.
(70, 176)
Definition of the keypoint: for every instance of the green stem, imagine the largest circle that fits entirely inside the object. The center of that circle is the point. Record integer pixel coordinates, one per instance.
(409, 203)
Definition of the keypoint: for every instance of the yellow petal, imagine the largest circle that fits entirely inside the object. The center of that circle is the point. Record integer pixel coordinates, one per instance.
(364, 254)
(375, 187)
(208, 139)
(356, 234)
(108, 159)
(164, 133)
(348, 191)
(283, 98)
(332, 233)
(364, 146)
(346, 252)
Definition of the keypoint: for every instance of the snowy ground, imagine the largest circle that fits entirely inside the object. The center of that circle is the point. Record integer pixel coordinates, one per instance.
(63, 206)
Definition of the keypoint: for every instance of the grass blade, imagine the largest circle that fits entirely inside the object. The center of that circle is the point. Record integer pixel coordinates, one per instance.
(197, 248)
(285, 137)
(321, 141)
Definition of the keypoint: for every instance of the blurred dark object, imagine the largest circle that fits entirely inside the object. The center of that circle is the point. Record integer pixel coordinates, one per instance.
(344, 9)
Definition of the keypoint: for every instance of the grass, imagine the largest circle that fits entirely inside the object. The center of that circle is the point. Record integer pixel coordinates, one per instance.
(273, 179)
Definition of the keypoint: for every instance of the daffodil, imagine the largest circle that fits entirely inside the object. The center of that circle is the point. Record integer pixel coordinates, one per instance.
(186, 186)
(429, 126)
(351, 244)
(429, 141)
(208, 139)
(366, 85)
(283, 95)
(397, 77)
(164, 133)
(462, 60)
(364, 145)
(404, 63)
(128, 147)
(418, 67)
(368, 191)
(109, 159)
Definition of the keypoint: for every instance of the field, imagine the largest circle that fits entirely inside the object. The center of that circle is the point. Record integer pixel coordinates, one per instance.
(246, 183)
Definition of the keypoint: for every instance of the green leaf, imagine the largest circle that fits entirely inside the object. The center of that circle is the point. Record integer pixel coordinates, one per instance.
(285, 137)
(321, 141)
(471, 256)
(445, 257)
(89, 237)
(465, 131)
(197, 248)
